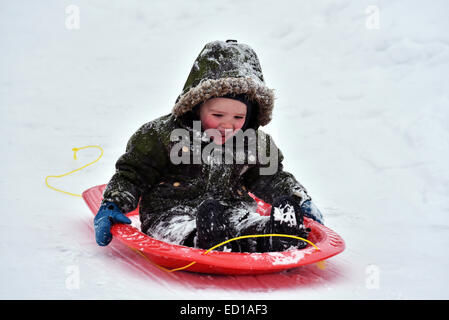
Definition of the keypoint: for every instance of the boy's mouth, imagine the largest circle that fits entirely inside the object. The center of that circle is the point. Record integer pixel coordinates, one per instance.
(226, 135)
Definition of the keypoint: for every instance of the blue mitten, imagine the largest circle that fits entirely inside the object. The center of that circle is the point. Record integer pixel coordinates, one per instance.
(310, 210)
(108, 214)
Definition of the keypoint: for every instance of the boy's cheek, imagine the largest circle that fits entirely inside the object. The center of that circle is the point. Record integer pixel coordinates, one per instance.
(208, 123)
(240, 124)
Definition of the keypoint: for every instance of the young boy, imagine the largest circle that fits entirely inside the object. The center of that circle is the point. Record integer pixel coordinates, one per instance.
(198, 201)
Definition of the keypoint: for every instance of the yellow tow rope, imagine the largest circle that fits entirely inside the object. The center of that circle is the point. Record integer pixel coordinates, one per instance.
(73, 171)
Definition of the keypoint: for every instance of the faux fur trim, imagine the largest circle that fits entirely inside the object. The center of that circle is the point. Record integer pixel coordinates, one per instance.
(211, 88)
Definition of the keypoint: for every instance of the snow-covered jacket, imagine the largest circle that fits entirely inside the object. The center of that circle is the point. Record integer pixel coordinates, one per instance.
(147, 176)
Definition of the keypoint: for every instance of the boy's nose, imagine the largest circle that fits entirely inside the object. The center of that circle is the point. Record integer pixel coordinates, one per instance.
(227, 125)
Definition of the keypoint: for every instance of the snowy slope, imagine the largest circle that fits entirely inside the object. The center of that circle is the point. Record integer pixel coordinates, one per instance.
(361, 116)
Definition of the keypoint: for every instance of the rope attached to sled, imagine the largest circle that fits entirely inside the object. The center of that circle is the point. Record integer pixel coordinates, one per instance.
(66, 174)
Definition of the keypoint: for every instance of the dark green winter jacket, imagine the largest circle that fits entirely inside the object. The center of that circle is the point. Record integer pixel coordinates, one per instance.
(146, 175)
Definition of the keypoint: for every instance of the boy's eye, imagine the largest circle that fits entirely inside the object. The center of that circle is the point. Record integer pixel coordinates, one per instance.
(220, 115)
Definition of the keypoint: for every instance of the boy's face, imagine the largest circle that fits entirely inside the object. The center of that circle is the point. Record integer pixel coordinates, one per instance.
(225, 115)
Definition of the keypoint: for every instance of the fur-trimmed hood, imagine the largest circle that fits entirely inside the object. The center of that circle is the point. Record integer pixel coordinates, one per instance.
(226, 68)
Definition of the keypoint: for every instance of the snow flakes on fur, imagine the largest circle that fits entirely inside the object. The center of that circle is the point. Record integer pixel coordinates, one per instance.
(226, 68)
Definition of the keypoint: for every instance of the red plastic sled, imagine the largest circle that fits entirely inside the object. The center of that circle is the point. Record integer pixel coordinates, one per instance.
(172, 256)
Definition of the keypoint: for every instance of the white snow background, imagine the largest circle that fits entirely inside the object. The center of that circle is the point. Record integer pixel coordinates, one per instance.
(361, 115)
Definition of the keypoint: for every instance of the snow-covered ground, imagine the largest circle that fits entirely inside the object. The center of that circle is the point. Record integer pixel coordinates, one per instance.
(362, 117)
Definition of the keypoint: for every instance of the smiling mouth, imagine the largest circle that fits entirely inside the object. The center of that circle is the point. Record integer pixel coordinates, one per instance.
(225, 137)
(227, 133)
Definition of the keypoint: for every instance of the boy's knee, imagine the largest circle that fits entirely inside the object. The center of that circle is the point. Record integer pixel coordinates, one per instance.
(282, 201)
(209, 208)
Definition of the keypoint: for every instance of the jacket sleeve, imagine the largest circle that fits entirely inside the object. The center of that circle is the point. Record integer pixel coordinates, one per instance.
(268, 181)
(138, 168)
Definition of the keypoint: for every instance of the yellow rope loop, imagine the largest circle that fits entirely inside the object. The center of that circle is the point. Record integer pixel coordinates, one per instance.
(75, 150)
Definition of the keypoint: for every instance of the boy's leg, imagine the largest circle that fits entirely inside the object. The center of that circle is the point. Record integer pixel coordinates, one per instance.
(217, 223)
(244, 221)
(210, 225)
(173, 226)
(286, 218)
